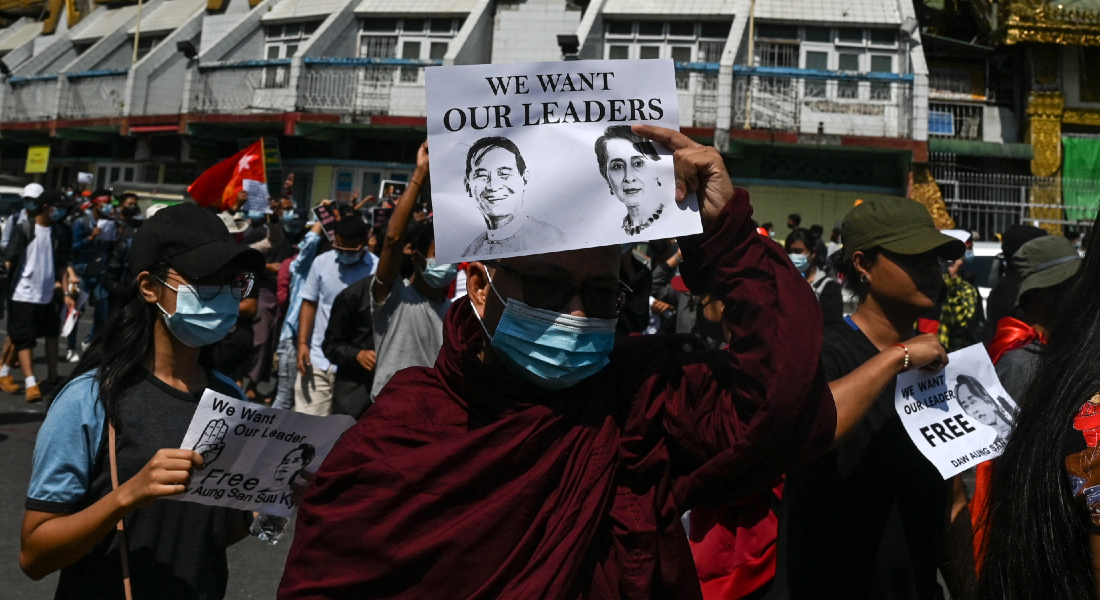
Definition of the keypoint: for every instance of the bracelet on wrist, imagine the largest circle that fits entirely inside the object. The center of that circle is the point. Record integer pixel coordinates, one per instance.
(905, 364)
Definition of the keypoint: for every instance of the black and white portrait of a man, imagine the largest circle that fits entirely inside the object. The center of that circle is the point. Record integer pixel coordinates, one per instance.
(625, 158)
(496, 179)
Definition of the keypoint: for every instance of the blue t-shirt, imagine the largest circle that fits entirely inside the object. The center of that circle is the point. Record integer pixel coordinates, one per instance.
(327, 278)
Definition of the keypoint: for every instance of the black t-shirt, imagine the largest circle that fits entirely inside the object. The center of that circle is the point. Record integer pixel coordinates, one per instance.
(176, 549)
(865, 520)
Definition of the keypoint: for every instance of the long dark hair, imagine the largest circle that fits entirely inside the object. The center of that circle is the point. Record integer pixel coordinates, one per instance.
(120, 345)
(1037, 546)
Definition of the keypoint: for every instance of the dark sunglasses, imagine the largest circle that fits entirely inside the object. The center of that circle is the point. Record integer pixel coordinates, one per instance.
(239, 287)
(600, 299)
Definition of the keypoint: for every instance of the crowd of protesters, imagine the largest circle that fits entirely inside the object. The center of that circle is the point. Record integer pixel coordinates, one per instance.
(706, 417)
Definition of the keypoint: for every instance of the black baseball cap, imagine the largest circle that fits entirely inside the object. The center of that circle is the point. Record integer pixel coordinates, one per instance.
(53, 198)
(898, 225)
(192, 240)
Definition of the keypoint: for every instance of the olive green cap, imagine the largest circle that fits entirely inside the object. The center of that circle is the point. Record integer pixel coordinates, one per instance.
(1045, 262)
(897, 225)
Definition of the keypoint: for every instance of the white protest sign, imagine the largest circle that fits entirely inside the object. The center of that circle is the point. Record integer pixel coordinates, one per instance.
(539, 157)
(259, 200)
(960, 416)
(254, 453)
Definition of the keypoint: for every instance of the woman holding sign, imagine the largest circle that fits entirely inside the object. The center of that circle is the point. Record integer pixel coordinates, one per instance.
(109, 447)
(874, 505)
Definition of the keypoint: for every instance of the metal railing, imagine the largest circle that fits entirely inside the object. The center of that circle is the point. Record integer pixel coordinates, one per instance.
(958, 121)
(31, 99)
(260, 86)
(95, 94)
(990, 203)
(697, 88)
(364, 86)
(823, 102)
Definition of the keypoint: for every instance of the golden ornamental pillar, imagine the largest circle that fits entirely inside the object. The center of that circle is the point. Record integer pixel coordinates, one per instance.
(1044, 110)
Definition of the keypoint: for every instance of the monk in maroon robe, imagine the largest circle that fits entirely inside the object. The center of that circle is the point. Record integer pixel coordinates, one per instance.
(464, 481)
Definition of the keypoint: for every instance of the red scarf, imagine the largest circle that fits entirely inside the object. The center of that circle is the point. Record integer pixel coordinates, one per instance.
(1012, 334)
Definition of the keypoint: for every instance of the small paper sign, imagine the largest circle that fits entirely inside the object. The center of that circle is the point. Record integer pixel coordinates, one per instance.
(259, 200)
(960, 416)
(254, 453)
(327, 217)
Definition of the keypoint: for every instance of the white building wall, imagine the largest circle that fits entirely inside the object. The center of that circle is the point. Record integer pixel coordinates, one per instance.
(216, 26)
(528, 31)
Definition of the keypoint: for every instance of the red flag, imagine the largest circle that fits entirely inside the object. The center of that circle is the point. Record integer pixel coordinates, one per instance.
(219, 185)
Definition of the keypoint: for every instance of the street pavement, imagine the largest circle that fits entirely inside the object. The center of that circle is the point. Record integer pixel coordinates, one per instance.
(254, 567)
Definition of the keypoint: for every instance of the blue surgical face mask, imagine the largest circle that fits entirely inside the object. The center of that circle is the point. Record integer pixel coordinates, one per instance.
(348, 258)
(551, 350)
(969, 256)
(438, 276)
(199, 322)
(107, 209)
(801, 262)
(29, 204)
(56, 213)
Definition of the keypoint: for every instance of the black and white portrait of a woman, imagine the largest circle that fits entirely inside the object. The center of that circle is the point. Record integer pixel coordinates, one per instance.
(625, 159)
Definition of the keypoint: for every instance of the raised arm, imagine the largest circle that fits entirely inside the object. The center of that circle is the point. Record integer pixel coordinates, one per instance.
(745, 415)
(389, 264)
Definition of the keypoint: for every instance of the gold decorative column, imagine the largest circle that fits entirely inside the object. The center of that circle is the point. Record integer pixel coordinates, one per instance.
(1044, 110)
(924, 189)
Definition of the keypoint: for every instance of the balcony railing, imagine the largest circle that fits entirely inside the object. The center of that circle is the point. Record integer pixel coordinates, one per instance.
(95, 94)
(958, 121)
(364, 86)
(260, 86)
(31, 98)
(697, 87)
(823, 102)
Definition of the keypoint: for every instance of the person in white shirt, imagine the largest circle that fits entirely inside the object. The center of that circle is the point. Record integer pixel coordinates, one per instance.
(332, 272)
(37, 256)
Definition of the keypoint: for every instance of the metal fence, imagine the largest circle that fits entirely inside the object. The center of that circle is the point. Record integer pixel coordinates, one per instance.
(826, 103)
(251, 87)
(31, 100)
(959, 121)
(95, 95)
(990, 203)
(697, 88)
(365, 90)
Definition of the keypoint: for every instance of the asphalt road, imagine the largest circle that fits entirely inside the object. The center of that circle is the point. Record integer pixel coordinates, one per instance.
(254, 567)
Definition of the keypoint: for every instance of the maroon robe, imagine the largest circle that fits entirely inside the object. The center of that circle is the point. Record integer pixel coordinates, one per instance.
(463, 481)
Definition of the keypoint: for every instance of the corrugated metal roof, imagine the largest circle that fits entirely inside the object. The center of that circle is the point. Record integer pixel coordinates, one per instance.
(169, 15)
(25, 34)
(670, 7)
(302, 10)
(448, 7)
(862, 12)
(109, 21)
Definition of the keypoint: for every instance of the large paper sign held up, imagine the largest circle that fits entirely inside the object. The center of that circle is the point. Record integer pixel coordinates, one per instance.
(254, 453)
(960, 416)
(539, 157)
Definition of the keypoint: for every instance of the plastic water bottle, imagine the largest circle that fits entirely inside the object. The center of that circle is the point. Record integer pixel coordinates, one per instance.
(268, 528)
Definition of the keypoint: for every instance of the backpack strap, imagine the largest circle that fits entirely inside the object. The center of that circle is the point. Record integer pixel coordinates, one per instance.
(123, 549)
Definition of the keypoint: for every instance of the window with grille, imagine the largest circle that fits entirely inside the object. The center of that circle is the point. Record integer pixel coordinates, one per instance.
(409, 38)
(704, 42)
(146, 45)
(280, 42)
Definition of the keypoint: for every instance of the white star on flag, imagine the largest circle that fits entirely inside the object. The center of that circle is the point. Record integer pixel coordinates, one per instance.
(242, 165)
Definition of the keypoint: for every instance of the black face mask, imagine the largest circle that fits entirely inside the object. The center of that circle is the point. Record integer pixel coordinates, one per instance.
(130, 212)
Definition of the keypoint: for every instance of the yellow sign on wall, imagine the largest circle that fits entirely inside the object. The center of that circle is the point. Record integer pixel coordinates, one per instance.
(38, 157)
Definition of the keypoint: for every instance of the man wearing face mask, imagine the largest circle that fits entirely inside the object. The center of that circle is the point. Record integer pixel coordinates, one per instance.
(116, 277)
(409, 293)
(331, 272)
(94, 236)
(38, 258)
(536, 459)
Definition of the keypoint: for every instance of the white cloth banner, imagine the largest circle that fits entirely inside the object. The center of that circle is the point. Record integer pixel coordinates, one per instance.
(539, 157)
(960, 416)
(253, 453)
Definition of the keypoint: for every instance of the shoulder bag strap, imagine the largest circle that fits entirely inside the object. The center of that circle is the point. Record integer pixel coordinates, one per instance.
(123, 549)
